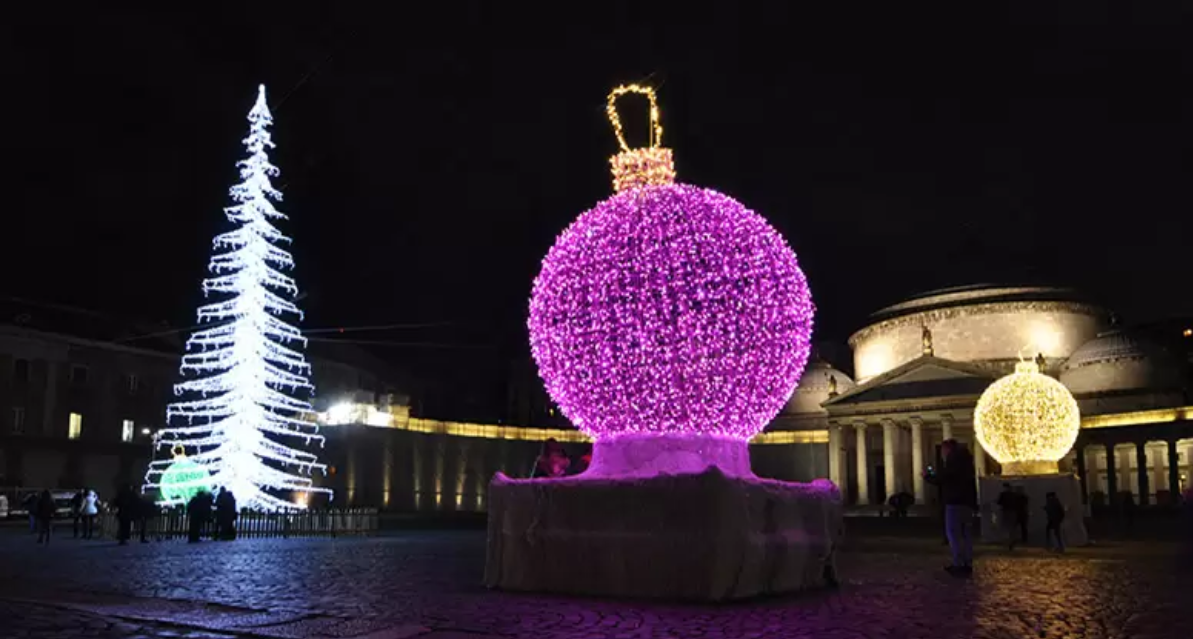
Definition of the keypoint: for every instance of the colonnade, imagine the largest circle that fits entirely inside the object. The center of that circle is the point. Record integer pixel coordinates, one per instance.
(904, 442)
(1144, 467)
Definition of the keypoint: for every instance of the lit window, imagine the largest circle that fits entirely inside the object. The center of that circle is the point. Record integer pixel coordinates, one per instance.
(18, 421)
(133, 384)
(127, 430)
(76, 426)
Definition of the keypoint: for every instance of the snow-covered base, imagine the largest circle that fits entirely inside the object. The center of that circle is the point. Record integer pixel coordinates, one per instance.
(651, 455)
(1066, 487)
(705, 536)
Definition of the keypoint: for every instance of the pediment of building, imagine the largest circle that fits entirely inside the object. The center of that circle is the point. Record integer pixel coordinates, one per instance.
(920, 379)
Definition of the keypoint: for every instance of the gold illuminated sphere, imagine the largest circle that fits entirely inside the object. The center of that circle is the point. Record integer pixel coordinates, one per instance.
(1027, 421)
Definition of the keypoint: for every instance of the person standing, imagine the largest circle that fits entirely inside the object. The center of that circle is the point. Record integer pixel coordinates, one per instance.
(198, 513)
(552, 460)
(1187, 507)
(76, 511)
(958, 486)
(127, 505)
(30, 504)
(1128, 507)
(145, 509)
(225, 515)
(45, 516)
(1055, 513)
(88, 510)
(582, 464)
(1021, 512)
(1008, 512)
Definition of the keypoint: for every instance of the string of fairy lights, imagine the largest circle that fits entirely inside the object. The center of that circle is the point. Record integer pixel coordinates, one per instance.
(1027, 421)
(244, 371)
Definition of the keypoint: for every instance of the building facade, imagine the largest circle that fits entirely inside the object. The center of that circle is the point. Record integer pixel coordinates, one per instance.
(82, 394)
(80, 401)
(923, 364)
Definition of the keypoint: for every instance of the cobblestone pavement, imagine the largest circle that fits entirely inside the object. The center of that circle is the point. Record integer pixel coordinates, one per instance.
(426, 585)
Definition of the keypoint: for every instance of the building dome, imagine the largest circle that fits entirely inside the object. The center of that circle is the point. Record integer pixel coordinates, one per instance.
(1119, 360)
(988, 326)
(815, 387)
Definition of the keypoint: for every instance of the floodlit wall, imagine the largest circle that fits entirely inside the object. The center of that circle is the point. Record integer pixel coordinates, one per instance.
(991, 332)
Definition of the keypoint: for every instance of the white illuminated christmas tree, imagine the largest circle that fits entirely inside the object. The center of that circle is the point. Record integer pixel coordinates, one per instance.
(243, 369)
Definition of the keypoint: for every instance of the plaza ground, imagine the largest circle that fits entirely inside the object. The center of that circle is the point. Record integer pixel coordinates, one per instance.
(425, 584)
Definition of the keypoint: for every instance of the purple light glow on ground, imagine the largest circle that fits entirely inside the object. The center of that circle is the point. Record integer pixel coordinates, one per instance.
(670, 310)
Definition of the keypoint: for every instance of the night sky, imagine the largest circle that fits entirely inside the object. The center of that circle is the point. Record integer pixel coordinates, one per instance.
(429, 159)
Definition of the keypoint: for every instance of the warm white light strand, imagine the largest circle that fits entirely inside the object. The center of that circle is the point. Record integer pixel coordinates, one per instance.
(244, 370)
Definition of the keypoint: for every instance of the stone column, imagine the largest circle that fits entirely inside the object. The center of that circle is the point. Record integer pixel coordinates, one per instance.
(888, 457)
(834, 455)
(979, 458)
(1155, 465)
(1111, 476)
(946, 427)
(917, 458)
(1079, 462)
(1174, 472)
(1141, 470)
(863, 474)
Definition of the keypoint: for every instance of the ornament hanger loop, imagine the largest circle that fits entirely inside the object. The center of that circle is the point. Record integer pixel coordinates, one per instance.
(178, 450)
(656, 129)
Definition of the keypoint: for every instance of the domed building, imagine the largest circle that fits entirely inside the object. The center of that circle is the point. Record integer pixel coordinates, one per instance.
(991, 327)
(1117, 362)
(820, 382)
(921, 365)
(1125, 382)
(793, 446)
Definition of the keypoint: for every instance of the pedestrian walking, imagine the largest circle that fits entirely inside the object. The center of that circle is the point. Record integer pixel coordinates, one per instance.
(958, 487)
(45, 516)
(88, 510)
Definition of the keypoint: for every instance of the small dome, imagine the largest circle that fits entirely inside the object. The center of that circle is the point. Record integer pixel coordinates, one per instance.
(1118, 360)
(815, 388)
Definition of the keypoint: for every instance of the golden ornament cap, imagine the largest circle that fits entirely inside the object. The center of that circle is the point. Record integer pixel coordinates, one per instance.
(651, 165)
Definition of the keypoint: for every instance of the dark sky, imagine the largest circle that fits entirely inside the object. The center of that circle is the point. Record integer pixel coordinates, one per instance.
(429, 160)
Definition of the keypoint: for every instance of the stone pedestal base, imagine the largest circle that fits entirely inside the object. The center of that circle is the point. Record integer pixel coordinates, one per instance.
(706, 536)
(641, 456)
(1066, 487)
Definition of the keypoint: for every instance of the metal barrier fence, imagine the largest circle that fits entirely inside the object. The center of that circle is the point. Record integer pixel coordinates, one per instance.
(174, 524)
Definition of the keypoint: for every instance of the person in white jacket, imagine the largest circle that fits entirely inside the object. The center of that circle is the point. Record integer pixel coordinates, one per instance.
(89, 510)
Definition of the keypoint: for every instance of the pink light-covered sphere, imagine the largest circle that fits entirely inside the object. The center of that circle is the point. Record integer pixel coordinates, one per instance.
(670, 310)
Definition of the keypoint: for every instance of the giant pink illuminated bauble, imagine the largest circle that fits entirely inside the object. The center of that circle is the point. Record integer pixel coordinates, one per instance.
(670, 310)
